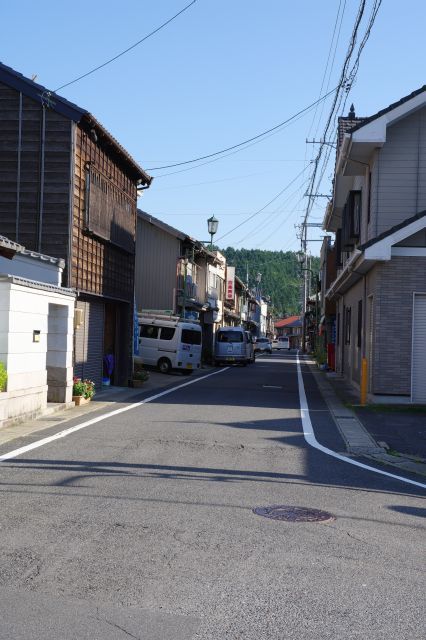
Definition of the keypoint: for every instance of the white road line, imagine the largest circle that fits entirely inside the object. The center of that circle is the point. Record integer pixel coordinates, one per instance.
(310, 438)
(88, 423)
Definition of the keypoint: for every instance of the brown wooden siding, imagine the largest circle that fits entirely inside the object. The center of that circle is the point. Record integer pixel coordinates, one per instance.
(98, 266)
(34, 207)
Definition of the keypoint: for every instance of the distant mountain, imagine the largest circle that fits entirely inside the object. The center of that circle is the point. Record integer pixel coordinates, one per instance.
(280, 279)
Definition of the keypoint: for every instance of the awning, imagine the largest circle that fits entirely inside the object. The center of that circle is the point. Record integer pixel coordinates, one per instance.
(232, 314)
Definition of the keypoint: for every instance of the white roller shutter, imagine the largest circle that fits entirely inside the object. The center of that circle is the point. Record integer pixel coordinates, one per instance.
(418, 370)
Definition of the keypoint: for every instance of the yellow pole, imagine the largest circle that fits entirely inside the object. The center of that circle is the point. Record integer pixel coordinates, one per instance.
(364, 379)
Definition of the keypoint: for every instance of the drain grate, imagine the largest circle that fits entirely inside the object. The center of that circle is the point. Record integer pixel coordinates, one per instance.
(294, 514)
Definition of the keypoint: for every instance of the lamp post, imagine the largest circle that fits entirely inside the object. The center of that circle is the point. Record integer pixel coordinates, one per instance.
(258, 280)
(212, 225)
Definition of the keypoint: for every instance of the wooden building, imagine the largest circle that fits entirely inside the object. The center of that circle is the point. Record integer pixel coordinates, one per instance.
(68, 189)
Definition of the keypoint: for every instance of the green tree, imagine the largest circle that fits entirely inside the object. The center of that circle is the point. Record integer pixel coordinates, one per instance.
(281, 275)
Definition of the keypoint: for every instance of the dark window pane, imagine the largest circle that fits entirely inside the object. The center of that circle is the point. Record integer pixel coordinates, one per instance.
(167, 333)
(148, 331)
(189, 336)
(230, 336)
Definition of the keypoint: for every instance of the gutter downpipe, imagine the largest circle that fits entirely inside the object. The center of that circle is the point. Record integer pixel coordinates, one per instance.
(41, 199)
(364, 363)
(18, 171)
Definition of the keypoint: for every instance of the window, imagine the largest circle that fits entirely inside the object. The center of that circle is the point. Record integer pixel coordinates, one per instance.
(348, 325)
(212, 280)
(167, 333)
(109, 210)
(189, 336)
(355, 214)
(230, 336)
(369, 198)
(359, 333)
(338, 245)
(148, 331)
(351, 220)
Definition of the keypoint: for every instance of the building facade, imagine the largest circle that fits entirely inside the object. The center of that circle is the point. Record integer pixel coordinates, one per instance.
(69, 190)
(378, 214)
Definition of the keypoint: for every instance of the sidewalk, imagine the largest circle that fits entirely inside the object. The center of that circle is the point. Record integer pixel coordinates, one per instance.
(107, 399)
(389, 434)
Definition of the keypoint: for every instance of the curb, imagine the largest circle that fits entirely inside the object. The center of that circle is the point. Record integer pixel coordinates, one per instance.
(357, 439)
(56, 415)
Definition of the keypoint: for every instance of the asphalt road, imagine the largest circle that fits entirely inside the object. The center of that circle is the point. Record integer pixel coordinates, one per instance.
(142, 526)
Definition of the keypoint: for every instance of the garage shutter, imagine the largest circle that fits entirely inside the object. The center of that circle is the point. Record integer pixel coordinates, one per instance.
(418, 373)
(89, 342)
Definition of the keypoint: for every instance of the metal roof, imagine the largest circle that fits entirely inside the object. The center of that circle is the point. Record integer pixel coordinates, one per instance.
(147, 217)
(292, 321)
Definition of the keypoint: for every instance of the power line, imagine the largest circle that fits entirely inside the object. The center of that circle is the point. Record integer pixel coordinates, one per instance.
(328, 61)
(264, 207)
(240, 144)
(338, 95)
(104, 64)
(274, 215)
(349, 80)
(232, 153)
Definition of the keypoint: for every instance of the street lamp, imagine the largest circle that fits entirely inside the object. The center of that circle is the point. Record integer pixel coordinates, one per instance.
(212, 225)
(300, 257)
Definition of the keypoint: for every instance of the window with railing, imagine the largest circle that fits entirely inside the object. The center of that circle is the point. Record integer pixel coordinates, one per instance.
(110, 213)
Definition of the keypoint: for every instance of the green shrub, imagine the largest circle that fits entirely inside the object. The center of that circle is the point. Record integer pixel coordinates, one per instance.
(140, 374)
(85, 388)
(3, 377)
(320, 354)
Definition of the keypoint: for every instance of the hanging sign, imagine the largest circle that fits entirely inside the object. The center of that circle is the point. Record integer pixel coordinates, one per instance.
(230, 283)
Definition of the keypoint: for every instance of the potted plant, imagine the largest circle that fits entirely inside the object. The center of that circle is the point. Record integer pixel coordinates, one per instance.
(3, 377)
(140, 376)
(82, 391)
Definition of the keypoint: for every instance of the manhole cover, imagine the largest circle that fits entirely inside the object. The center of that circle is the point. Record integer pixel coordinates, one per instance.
(294, 514)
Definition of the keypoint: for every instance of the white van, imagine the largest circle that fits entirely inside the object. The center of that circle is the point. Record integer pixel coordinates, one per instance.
(167, 342)
(282, 342)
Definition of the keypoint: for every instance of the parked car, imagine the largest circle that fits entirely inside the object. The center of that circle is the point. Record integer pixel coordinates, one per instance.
(282, 342)
(233, 345)
(250, 348)
(262, 345)
(168, 343)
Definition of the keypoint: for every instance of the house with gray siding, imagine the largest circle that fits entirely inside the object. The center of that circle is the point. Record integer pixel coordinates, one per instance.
(177, 274)
(378, 213)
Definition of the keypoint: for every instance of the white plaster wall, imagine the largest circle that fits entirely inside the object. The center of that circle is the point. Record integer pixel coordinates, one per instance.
(24, 309)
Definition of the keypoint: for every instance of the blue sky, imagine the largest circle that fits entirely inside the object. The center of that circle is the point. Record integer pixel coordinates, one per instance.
(222, 72)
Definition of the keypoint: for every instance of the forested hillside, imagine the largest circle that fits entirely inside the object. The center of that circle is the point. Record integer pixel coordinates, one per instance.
(280, 279)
